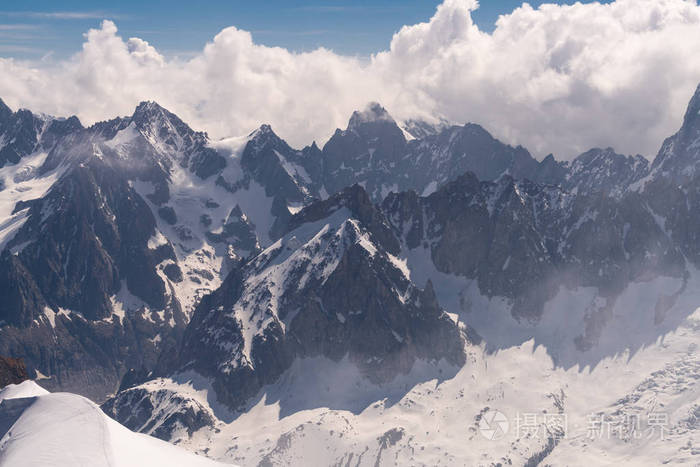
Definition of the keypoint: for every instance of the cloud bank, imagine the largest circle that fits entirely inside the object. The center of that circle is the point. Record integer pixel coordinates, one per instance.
(555, 79)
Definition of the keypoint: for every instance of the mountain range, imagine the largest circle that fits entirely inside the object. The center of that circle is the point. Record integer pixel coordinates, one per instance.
(142, 261)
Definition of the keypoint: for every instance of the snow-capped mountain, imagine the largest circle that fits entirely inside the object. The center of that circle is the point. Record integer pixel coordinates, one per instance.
(331, 287)
(150, 216)
(524, 242)
(374, 152)
(23, 133)
(111, 236)
(213, 282)
(604, 171)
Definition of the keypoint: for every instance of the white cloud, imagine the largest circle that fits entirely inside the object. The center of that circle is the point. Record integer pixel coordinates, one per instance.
(555, 79)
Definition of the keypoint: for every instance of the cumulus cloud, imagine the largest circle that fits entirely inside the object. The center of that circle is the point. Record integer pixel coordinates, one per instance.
(555, 79)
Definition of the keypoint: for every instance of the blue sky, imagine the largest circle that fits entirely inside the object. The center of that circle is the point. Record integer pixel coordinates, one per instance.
(34, 28)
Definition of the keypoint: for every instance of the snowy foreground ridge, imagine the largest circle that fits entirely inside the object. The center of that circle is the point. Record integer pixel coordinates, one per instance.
(65, 430)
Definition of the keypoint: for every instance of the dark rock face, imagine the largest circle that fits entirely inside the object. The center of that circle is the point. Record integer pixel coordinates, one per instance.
(133, 377)
(350, 299)
(456, 150)
(22, 133)
(86, 235)
(523, 241)
(83, 356)
(12, 371)
(551, 171)
(173, 272)
(206, 162)
(168, 214)
(604, 171)
(81, 244)
(271, 162)
(673, 188)
(22, 299)
(366, 152)
(374, 152)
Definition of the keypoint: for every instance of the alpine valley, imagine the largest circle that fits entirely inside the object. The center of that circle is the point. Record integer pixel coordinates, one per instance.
(368, 302)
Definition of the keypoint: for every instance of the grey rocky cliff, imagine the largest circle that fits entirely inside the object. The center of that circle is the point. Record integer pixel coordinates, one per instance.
(525, 241)
(82, 244)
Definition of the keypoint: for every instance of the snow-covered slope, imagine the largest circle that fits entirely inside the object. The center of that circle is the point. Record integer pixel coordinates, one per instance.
(65, 430)
(322, 412)
(21, 183)
(24, 389)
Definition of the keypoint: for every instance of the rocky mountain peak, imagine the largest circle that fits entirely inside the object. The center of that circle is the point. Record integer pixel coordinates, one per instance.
(605, 155)
(551, 171)
(689, 134)
(148, 109)
(476, 130)
(19, 133)
(680, 154)
(65, 125)
(465, 183)
(373, 113)
(264, 149)
(5, 111)
(157, 123)
(264, 135)
(356, 200)
(604, 170)
(265, 128)
(692, 114)
(172, 139)
(365, 152)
